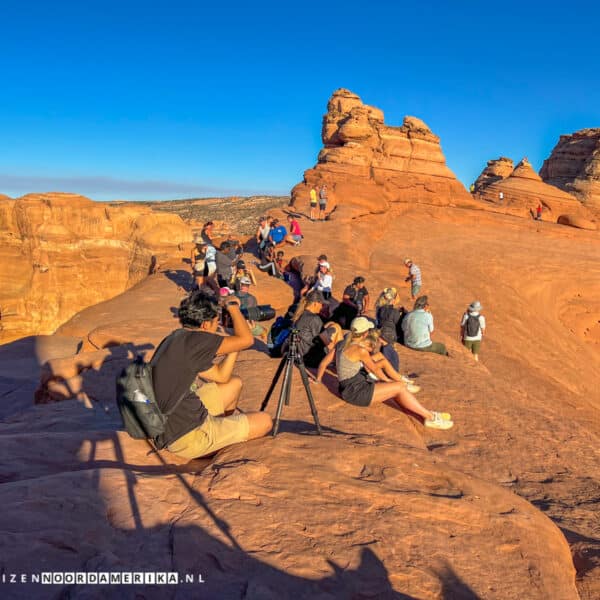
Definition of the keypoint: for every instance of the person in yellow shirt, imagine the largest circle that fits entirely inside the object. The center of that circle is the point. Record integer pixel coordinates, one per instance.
(313, 203)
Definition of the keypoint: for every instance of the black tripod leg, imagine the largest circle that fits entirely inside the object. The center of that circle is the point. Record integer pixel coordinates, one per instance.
(283, 394)
(311, 400)
(273, 383)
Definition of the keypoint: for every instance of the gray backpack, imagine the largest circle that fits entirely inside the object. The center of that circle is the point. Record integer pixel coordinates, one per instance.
(141, 415)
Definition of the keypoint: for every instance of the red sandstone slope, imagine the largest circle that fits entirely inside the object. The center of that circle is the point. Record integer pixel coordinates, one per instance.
(379, 505)
(61, 252)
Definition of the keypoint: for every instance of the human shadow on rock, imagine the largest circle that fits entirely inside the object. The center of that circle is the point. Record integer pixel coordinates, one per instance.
(181, 278)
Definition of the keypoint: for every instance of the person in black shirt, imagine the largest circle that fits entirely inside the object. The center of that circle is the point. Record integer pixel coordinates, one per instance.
(355, 302)
(202, 419)
(309, 325)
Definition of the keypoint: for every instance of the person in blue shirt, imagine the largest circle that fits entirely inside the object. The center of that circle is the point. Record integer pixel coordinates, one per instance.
(277, 234)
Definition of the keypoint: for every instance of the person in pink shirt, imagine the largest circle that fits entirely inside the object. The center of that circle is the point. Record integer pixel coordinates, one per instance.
(295, 236)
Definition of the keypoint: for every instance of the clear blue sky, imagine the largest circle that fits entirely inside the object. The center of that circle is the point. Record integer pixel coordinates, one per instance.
(156, 100)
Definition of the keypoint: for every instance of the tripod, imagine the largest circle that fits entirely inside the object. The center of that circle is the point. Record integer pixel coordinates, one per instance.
(286, 366)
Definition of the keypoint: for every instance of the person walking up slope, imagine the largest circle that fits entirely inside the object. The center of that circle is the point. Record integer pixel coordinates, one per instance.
(414, 276)
(472, 327)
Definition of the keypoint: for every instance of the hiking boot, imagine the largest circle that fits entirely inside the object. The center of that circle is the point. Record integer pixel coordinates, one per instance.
(438, 423)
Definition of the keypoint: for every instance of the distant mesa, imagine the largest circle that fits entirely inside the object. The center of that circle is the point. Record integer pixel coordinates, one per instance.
(367, 165)
(523, 189)
(574, 166)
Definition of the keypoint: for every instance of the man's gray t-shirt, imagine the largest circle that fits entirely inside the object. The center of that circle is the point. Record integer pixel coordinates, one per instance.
(417, 326)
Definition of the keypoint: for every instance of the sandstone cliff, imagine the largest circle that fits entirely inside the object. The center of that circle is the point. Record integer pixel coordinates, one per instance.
(574, 166)
(495, 170)
(61, 252)
(523, 189)
(367, 165)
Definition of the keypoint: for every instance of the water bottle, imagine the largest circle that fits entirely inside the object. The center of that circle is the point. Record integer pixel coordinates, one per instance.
(139, 396)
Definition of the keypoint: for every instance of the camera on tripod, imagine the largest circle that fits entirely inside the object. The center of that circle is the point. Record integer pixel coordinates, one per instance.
(291, 358)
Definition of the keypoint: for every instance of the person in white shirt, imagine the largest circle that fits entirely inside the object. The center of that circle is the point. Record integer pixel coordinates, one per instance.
(472, 327)
(324, 281)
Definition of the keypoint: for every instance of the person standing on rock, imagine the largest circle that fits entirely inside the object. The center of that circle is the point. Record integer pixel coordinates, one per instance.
(202, 417)
(472, 327)
(414, 276)
(501, 197)
(313, 203)
(538, 212)
(207, 232)
(322, 202)
(418, 326)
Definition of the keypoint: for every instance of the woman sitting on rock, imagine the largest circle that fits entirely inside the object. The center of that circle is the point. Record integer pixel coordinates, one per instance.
(389, 316)
(356, 359)
(324, 281)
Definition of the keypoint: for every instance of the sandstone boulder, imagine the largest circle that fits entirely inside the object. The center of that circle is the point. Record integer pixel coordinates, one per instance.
(574, 166)
(368, 165)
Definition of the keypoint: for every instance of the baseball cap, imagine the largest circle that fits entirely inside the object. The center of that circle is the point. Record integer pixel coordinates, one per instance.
(361, 324)
(246, 281)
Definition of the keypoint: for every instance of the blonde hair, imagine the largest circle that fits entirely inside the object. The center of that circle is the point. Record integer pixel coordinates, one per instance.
(387, 297)
(353, 336)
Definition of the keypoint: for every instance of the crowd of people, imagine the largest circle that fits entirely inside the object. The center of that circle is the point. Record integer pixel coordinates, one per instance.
(354, 339)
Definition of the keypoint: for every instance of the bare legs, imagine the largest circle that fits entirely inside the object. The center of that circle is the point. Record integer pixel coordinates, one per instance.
(260, 422)
(397, 392)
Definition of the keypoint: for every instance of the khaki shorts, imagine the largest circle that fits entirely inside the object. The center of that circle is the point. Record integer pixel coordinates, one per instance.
(216, 432)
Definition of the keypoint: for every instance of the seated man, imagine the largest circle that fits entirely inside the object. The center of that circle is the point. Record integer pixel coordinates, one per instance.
(417, 327)
(277, 234)
(202, 421)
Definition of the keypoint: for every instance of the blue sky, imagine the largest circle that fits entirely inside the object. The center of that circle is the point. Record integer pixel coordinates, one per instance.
(156, 100)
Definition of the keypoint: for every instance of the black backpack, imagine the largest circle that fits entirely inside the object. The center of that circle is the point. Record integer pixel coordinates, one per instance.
(472, 326)
(141, 415)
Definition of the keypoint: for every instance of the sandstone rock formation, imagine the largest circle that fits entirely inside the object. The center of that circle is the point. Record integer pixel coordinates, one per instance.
(523, 189)
(496, 169)
(61, 252)
(367, 165)
(377, 507)
(574, 166)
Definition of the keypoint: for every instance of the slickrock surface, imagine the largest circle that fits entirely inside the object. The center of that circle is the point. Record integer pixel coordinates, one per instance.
(367, 165)
(523, 189)
(495, 170)
(379, 507)
(61, 252)
(574, 166)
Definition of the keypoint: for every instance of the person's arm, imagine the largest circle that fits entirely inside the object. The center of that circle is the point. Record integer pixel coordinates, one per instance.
(462, 327)
(371, 366)
(221, 372)
(365, 303)
(242, 337)
(250, 273)
(327, 360)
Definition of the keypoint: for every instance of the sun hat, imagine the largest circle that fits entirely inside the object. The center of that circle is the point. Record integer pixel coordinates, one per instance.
(475, 306)
(245, 281)
(361, 324)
